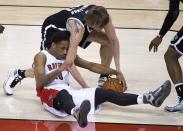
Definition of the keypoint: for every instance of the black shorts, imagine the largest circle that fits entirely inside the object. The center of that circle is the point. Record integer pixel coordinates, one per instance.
(177, 42)
(50, 27)
(57, 22)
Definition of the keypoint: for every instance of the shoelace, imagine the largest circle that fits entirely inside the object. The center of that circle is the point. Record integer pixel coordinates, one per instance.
(178, 100)
(15, 81)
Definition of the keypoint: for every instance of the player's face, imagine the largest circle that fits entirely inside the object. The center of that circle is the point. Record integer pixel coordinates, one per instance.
(96, 27)
(61, 49)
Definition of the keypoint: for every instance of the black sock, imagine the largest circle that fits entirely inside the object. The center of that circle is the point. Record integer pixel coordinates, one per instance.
(21, 73)
(179, 90)
(104, 75)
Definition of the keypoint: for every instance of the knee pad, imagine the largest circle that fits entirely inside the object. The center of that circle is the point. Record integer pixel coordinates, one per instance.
(60, 98)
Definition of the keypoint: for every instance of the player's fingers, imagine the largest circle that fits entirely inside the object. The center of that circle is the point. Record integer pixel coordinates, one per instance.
(119, 79)
(155, 48)
(150, 47)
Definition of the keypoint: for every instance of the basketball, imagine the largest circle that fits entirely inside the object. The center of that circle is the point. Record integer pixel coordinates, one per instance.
(113, 84)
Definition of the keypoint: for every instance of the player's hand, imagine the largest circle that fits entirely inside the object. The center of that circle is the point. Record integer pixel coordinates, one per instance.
(65, 65)
(121, 79)
(155, 43)
(68, 63)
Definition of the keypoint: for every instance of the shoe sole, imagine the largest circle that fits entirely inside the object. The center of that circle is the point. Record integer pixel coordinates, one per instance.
(166, 89)
(83, 113)
(8, 76)
(175, 111)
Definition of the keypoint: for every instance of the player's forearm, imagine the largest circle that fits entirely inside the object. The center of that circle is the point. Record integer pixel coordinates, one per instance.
(71, 54)
(43, 80)
(77, 76)
(101, 69)
(170, 18)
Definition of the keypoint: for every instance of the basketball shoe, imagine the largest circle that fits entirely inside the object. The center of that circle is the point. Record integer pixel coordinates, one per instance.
(81, 113)
(13, 78)
(157, 97)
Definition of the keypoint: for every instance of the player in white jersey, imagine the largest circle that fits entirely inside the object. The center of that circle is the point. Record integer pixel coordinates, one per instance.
(85, 24)
(60, 99)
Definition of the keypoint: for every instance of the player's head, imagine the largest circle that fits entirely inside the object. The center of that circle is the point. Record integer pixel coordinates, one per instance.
(60, 44)
(97, 17)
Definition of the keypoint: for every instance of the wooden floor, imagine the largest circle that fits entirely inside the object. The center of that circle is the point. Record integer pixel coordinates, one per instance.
(143, 70)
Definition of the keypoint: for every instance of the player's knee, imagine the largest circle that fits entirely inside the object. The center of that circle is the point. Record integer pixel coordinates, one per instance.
(61, 100)
(170, 55)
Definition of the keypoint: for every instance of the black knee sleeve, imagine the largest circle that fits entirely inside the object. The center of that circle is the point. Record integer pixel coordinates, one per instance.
(122, 99)
(63, 101)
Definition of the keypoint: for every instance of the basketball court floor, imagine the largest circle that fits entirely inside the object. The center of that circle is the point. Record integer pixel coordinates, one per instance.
(137, 22)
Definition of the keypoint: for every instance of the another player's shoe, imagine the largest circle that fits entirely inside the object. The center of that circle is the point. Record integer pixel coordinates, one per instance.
(157, 97)
(12, 79)
(101, 80)
(81, 113)
(178, 107)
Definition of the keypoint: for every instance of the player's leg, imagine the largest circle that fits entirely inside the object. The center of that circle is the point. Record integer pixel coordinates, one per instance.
(173, 66)
(105, 51)
(64, 101)
(154, 98)
(172, 56)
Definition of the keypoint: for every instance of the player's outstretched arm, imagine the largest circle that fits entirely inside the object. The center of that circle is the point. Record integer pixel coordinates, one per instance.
(171, 17)
(94, 67)
(98, 68)
(76, 30)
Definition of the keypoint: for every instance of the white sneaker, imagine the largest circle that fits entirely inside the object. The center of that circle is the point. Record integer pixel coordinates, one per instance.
(12, 79)
(178, 107)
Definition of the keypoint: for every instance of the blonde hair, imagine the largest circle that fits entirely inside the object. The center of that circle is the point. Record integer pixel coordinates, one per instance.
(97, 15)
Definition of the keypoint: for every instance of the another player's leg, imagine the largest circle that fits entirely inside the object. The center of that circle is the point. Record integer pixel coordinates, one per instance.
(172, 55)
(14, 76)
(64, 101)
(105, 51)
(154, 98)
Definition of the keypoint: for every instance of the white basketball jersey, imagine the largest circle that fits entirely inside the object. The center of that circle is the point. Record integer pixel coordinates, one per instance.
(52, 64)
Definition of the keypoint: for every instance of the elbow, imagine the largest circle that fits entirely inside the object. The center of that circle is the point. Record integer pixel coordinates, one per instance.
(40, 84)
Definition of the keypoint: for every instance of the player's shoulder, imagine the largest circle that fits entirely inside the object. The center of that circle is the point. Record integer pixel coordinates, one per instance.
(40, 55)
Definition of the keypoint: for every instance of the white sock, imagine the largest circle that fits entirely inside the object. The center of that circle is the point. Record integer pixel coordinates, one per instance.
(178, 84)
(140, 99)
(72, 110)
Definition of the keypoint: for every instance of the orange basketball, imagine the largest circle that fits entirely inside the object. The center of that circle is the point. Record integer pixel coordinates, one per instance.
(113, 84)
